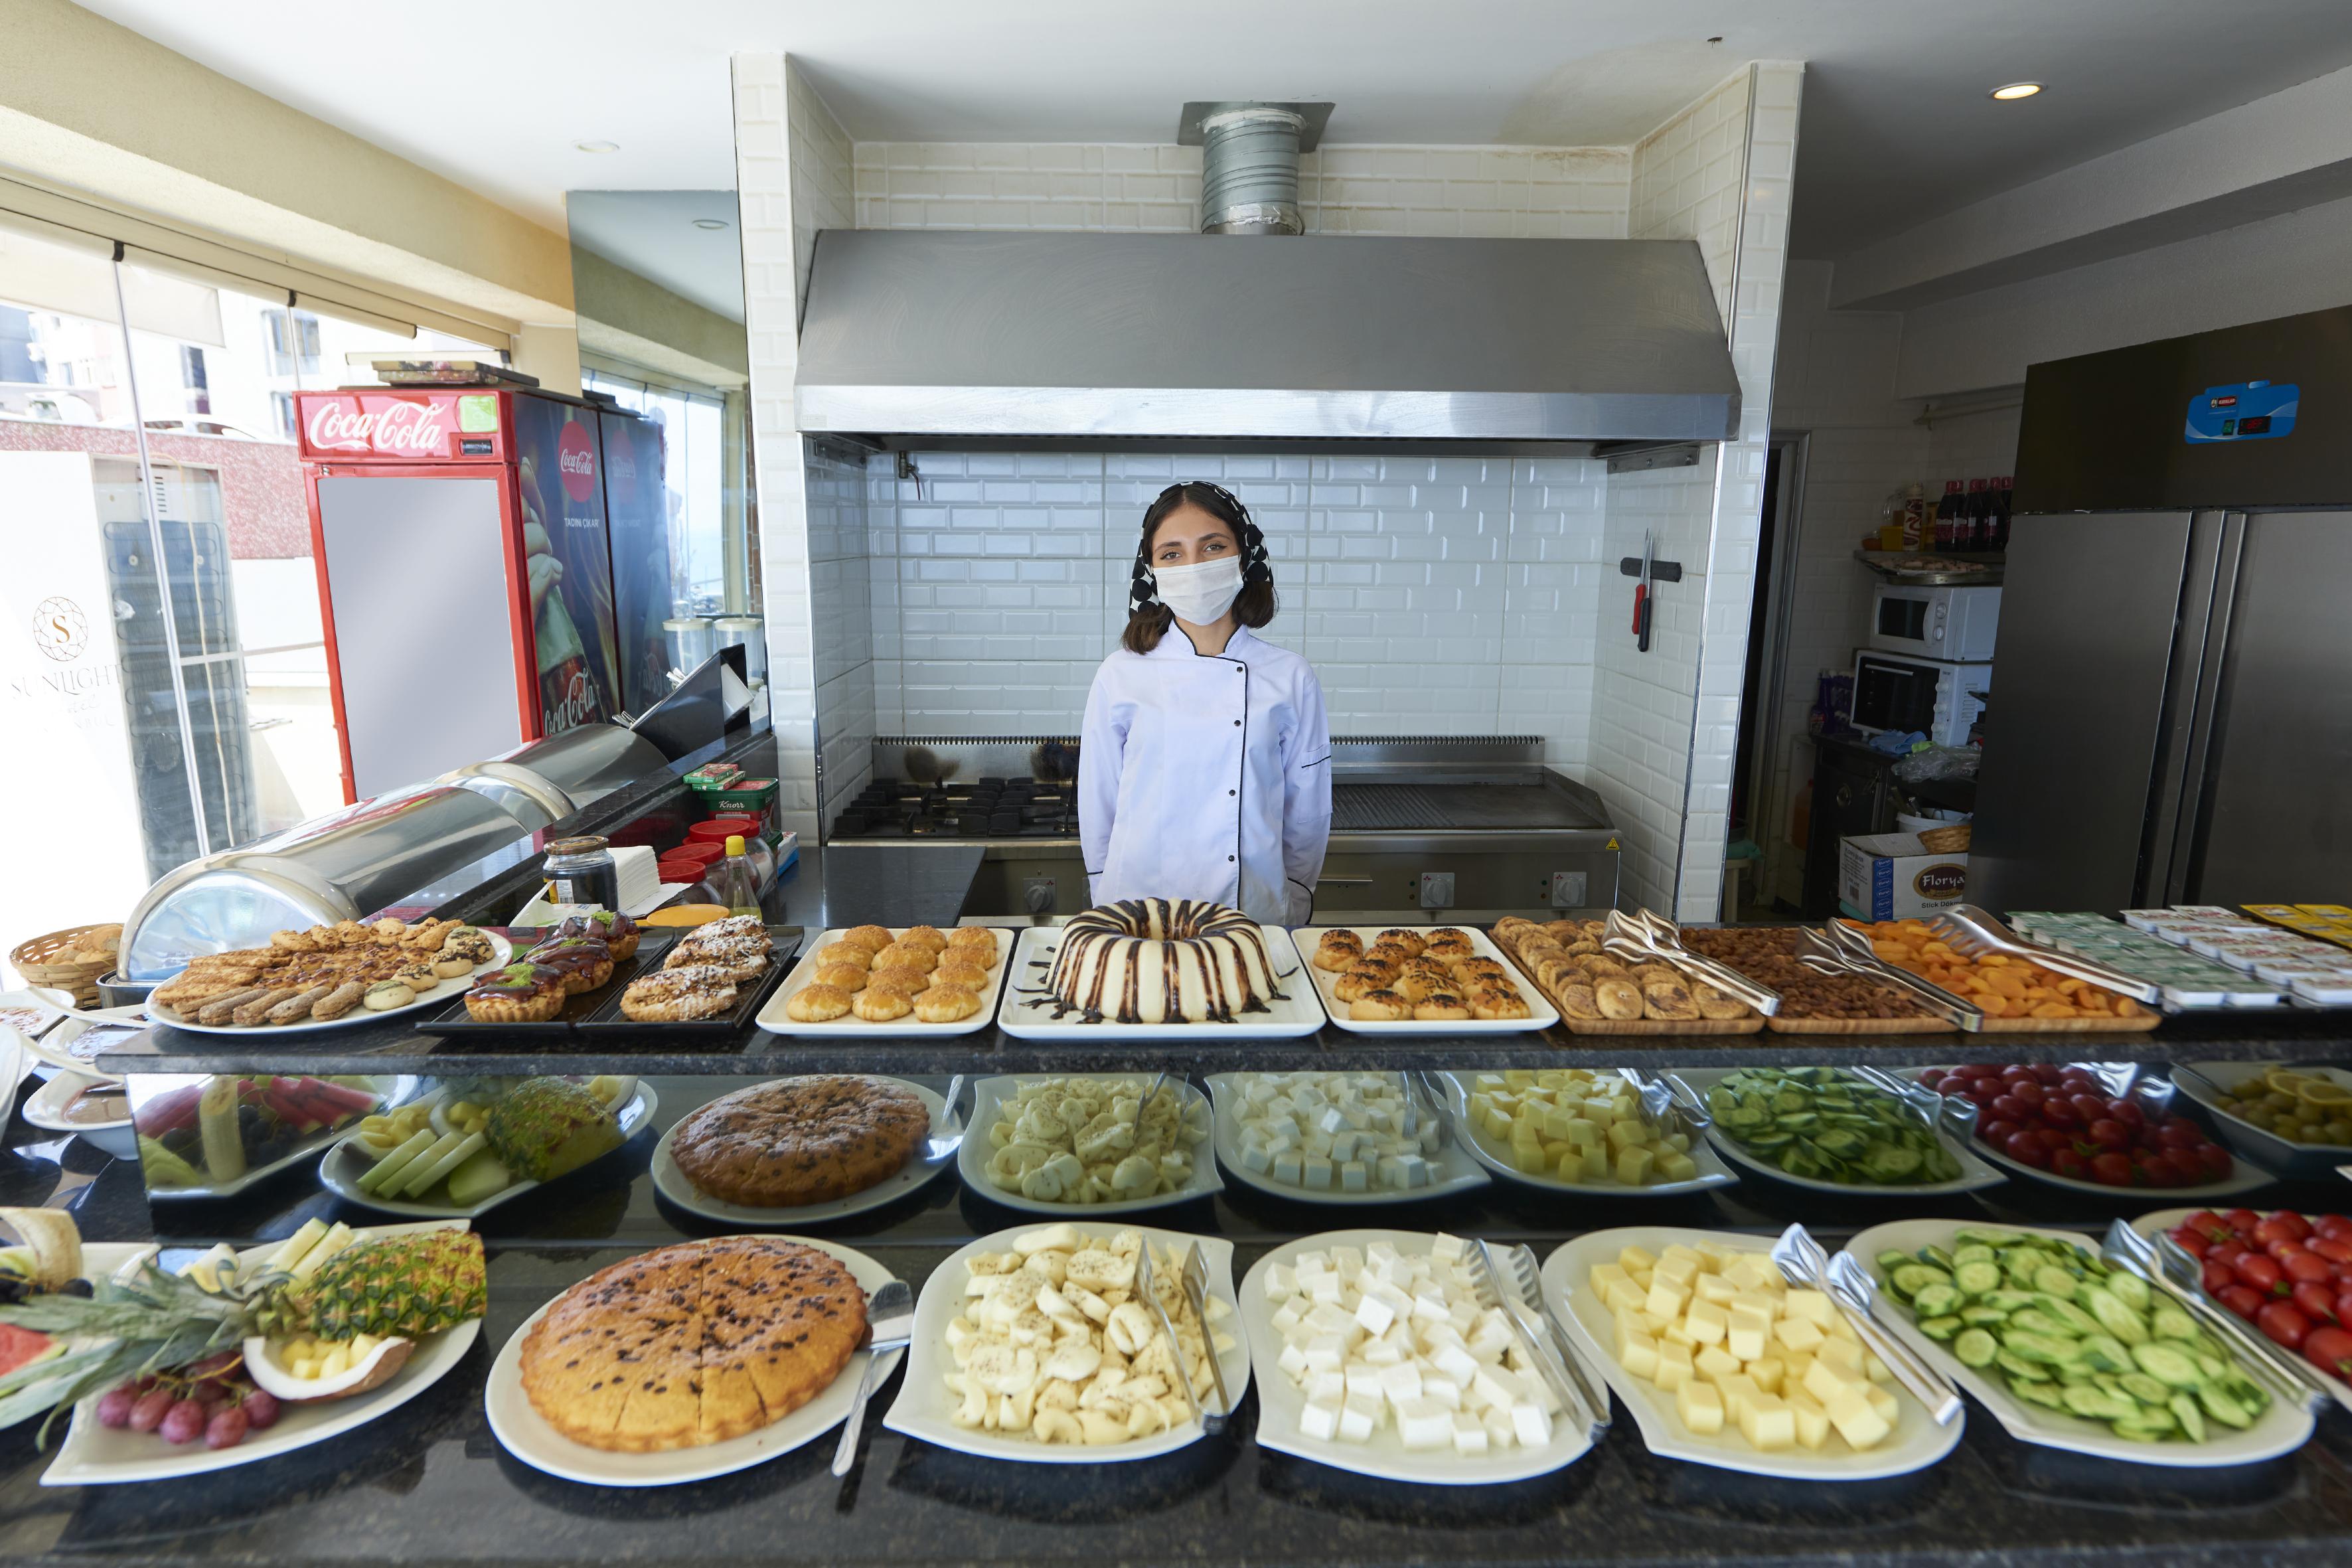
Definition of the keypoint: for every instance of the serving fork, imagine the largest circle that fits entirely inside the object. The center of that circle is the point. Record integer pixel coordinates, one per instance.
(891, 1317)
(1803, 1261)
(948, 1137)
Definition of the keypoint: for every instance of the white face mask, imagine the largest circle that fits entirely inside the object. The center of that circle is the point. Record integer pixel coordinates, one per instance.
(1200, 594)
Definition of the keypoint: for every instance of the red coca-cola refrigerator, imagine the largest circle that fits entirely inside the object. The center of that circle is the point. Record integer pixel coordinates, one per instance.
(465, 570)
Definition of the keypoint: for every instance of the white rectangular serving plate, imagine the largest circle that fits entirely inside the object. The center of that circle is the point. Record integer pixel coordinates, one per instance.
(346, 1162)
(1455, 1170)
(2150, 1225)
(1280, 1402)
(1917, 1441)
(1975, 1173)
(2302, 1162)
(776, 1021)
(1542, 1013)
(925, 1407)
(2283, 1427)
(96, 1456)
(972, 1156)
(1023, 1013)
(1712, 1172)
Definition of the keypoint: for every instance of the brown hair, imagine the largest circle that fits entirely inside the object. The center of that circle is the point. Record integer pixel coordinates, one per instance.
(1254, 606)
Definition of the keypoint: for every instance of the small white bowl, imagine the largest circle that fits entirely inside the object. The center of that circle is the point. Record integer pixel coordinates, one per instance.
(47, 1109)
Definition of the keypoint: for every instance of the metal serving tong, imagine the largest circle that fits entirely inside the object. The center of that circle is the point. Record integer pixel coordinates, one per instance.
(2159, 1262)
(1952, 1113)
(1845, 951)
(1805, 1262)
(1647, 937)
(1665, 1108)
(1145, 1288)
(1972, 932)
(1536, 1339)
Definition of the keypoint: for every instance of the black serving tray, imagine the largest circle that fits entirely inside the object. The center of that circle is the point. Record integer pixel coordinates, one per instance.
(652, 942)
(606, 1025)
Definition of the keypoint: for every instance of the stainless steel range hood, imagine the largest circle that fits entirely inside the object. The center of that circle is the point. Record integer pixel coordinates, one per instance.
(913, 334)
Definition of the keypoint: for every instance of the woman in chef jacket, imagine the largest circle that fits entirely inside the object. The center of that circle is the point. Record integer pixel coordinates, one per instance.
(1204, 767)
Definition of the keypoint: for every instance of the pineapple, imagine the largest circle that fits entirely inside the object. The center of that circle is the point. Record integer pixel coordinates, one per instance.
(548, 1126)
(405, 1285)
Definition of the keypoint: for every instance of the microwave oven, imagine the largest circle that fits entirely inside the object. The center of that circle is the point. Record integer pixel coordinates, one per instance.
(1953, 623)
(1940, 699)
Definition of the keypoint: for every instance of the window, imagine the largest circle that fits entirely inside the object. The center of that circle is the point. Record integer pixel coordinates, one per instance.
(291, 341)
(191, 379)
(281, 405)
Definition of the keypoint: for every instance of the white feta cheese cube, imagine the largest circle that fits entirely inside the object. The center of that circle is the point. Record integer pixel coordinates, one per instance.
(1382, 1352)
(1315, 1174)
(1456, 1363)
(1256, 1156)
(1355, 1176)
(1347, 1262)
(1469, 1437)
(1359, 1419)
(1530, 1424)
(1281, 1282)
(1321, 1420)
(1286, 1163)
(1423, 1424)
(1293, 1360)
(1327, 1385)
(1288, 1317)
(1328, 1120)
(1375, 1315)
(1452, 1249)
(1400, 1383)
(1324, 1352)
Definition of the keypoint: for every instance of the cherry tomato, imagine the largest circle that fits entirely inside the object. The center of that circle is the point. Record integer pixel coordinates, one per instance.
(2190, 1242)
(2070, 1164)
(2110, 1135)
(2009, 1107)
(2027, 1149)
(2285, 1226)
(2047, 1072)
(2243, 1299)
(1997, 1133)
(2243, 1221)
(2335, 1226)
(2282, 1250)
(2333, 1250)
(2127, 1111)
(2030, 1092)
(2314, 1301)
(2053, 1140)
(2306, 1268)
(2344, 1307)
(2180, 1133)
(2188, 1170)
(2060, 1112)
(2016, 1072)
(2216, 1278)
(2330, 1349)
(2261, 1272)
(2284, 1324)
(2216, 1160)
(2205, 1222)
(2112, 1170)
(2228, 1253)
(2075, 1083)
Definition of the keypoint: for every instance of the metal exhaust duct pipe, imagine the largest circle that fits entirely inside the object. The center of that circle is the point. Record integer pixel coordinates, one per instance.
(1249, 162)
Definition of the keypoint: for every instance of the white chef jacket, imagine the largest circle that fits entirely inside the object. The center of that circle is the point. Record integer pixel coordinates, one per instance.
(1206, 777)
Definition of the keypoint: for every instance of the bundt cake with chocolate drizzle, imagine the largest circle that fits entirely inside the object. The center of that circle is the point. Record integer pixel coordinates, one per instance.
(1160, 961)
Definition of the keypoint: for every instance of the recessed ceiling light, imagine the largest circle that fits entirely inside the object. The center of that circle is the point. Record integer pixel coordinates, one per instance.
(2016, 89)
(710, 223)
(598, 146)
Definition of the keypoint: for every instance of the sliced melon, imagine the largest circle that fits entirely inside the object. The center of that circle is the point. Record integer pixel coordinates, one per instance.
(434, 1167)
(482, 1177)
(334, 1241)
(391, 1164)
(291, 1251)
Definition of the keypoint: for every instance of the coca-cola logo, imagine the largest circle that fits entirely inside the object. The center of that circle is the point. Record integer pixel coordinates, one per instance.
(1944, 881)
(395, 426)
(621, 472)
(578, 707)
(575, 461)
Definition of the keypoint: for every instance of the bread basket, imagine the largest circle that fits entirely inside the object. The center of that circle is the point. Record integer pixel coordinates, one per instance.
(1946, 840)
(69, 960)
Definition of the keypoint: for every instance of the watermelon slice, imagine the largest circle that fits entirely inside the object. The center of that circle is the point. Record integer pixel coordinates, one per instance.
(18, 1346)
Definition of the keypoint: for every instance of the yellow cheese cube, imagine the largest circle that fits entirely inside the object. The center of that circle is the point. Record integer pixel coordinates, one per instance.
(1676, 1167)
(1769, 1425)
(1798, 1334)
(1708, 1322)
(1623, 1292)
(1700, 1408)
(1675, 1368)
(1528, 1158)
(1680, 1142)
(1666, 1298)
(1716, 1289)
(1826, 1383)
(1680, 1264)
(1876, 1370)
(1714, 1363)
(1496, 1123)
(1851, 1413)
(1595, 1166)
(1844, 1355)
(1675, 1333)
(1554, 1123)
(1764, 1302)
(1599, 1111)
(1837, 1327)
(1625, 1135)
(1632, 1165)
(1582, 1132)
(1883, 1402)
(1519, 1078)
(1769, 1373)
(1794, 1365)
(1716, 1254)
(1632, 1259)
(1812, 1306)
(1738, 1393)
(1526, 1134)
(1749, 1271)
(1638, 1354)
(1488, 1082)
(1602, 1274)
(1813, 1423)
(1748, 1329)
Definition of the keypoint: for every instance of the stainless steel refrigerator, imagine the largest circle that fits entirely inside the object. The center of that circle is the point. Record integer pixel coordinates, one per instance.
(2174, 718)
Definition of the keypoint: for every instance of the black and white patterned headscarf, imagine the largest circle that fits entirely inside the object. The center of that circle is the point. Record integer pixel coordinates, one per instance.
(1143, 588)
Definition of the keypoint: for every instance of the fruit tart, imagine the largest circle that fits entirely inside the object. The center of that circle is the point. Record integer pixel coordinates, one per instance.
(522, 993)
(584, 961)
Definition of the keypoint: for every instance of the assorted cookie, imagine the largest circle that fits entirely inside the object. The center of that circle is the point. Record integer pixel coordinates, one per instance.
(324, 973)
(1565, 960)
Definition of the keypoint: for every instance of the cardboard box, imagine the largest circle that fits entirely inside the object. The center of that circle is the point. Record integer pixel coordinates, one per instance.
(1892, 876)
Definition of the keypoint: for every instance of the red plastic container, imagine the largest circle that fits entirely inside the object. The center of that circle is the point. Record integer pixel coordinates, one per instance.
(719, 829)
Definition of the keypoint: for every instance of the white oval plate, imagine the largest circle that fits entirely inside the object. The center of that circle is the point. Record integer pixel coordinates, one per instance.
(1917, 1441)
(340, 1171)
(1483, 1148)
(972, 1159)
(1281, 1401)
(776, 1021)
(2303, 1162)
(46, 1110)
(1456, 1170)
(672, 1183)
(1023, 1013)
(2245, 1176)
(924, 1408)
(528, 1436)
(502, 952)
(1542, 1013)
(1975, 1175)
(2283, 1427)
(396, 1087)
(96, 1456)
(101, 1261)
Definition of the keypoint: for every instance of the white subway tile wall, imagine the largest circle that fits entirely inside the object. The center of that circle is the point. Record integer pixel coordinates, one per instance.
(1539, 193)
(841, 593)
(1434, 594)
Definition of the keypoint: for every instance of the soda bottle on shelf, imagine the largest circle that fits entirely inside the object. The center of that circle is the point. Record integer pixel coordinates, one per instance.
(1947, 517)
(1974, 528)
(2001, 511)
(738, 886)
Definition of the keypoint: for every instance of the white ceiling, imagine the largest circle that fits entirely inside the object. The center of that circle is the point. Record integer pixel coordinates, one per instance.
(654, 235)
(1896, 125)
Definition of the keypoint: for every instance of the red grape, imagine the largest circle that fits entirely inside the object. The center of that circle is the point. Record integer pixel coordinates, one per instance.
(147, 1412)
(2284, 1324)
(2112, 1170)
(2314, 1302)
(2333, 1250)
(2110, 1135)
(184, 1423)
(2070, 1164)
(2243, 1299)
(2217, 1278)
(114, 1409)
(2330, 1349)
(2261, 1272)
(2303, 1265)
(261, 1409)
(2027, 1149)
(227, 1428)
